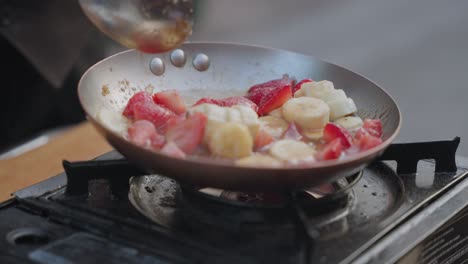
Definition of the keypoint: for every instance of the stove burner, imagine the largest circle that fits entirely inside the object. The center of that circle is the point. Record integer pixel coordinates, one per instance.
(327, 197)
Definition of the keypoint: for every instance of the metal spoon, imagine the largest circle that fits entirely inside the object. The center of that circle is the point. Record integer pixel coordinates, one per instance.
(151, 26)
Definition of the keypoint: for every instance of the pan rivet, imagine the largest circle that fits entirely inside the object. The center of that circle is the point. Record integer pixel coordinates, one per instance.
(201, 62)
(178, 58)
(157, 66)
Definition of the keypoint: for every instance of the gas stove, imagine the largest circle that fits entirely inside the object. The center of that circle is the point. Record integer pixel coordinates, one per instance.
(411, 206)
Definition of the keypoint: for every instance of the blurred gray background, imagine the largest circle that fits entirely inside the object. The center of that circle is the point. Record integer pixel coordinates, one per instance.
(416, 50)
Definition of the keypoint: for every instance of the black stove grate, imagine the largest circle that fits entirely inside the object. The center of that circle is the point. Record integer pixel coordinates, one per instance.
(118, 172)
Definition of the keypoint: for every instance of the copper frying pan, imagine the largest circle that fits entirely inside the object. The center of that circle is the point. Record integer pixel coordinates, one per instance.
(233, 68)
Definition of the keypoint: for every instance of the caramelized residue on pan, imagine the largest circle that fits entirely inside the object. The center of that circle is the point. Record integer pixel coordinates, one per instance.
(105, 90)
(125, 83)
(149, 88)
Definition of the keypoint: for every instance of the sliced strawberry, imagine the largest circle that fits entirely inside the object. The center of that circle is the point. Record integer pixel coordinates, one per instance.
(188, 134)
(255, 92)
(157, 141)
(207, 100)
(140, 97)
(333, 131)
(270, 95)
(367, 141)
(171, 149)
(373, 127)
(292, 132)
(171, 100)
(154, 113)
(299, 84)
(230, 101)
(262, 139)
(360, 133)
(141, 133)
(238, 100)
(332, 150)
(274, 99)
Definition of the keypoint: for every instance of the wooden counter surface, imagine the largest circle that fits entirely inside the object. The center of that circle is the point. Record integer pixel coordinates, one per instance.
(79, 143)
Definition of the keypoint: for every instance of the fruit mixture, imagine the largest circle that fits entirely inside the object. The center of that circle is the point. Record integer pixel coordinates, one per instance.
(276, 124)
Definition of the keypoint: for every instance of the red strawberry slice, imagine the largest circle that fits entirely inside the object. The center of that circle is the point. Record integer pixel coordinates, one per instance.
(154, 113)
(333, 131)
(270, 95)
(262, 139)
(360, 133)
(367, 141)
(270, 84)
(238, 100)
(171, 100)
(373, 127)
(207, 100)
(188, 134)
(299, 84)
(141, 133)
(171, 149)
(140, 97)
(227, 102)
(157, 141)
(332, 150)
(292, 132)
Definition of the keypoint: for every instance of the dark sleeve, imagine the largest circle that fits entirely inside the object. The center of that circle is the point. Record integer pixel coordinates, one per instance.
(50, 34)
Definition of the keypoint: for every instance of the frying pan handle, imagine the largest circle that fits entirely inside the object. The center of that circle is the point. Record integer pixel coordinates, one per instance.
(407, 155)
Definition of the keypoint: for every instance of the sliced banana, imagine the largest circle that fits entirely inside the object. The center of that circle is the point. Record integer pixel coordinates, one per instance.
(341, 107)
(273, 125)
(248, 117)
(213, 112)
(306, 112)
(350, 122)
(334, 94)
(291, 150)
(315, 89)
(233, 115)
(112, 120)
(231, 140)
(276, 113)
(314, 134)
(259, 161)
(299, 93)
(218, 115)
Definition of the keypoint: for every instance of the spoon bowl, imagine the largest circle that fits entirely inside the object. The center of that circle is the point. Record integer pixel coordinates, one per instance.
(151, 26)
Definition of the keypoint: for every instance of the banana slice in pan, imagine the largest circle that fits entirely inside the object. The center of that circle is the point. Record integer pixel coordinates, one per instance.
(291, 150)
(273, 125)
(276, 113)
(341, 107)
(315, 89)
(248, 117)
(218, 115)
(313, 134)
(231, 140)
(335, 94)
(350, 122)
(306, 112)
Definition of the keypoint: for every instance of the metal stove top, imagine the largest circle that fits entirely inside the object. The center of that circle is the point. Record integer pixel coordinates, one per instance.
(95, 218)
